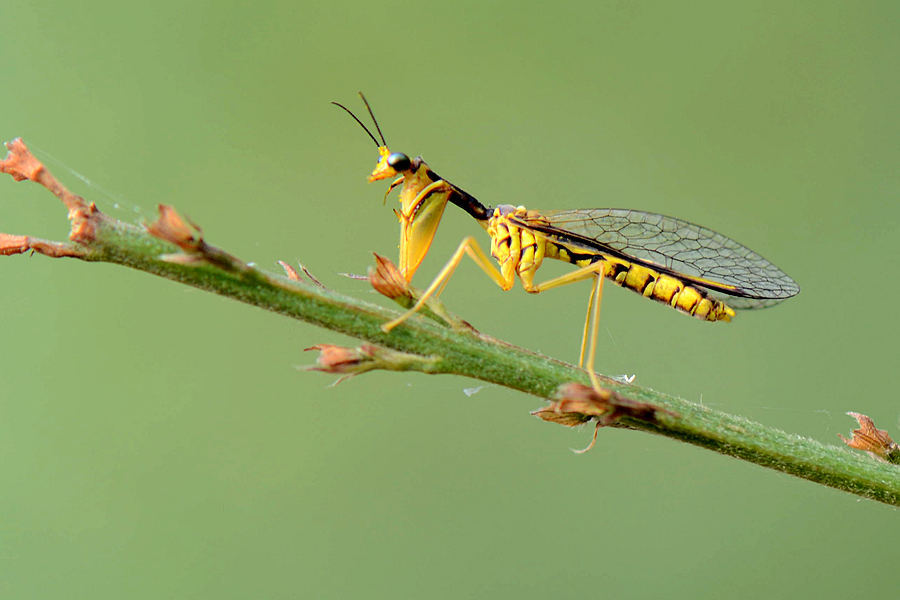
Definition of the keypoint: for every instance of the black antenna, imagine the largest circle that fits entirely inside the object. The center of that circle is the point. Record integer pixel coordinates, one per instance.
(355, 118)
(374, 120)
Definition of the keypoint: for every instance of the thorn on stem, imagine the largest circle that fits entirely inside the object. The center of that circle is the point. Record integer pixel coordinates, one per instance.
(290, 271)
(293, 275)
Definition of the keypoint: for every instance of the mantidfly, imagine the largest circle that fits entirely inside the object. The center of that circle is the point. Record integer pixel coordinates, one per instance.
(423, 197)
(689, 267)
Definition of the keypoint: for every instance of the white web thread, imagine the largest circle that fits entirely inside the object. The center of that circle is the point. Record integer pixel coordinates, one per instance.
(117, 202)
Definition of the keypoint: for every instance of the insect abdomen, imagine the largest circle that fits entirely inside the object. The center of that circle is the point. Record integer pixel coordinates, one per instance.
(669, 290)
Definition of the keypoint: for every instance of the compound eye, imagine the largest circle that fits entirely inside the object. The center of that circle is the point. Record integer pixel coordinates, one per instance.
(398, 161)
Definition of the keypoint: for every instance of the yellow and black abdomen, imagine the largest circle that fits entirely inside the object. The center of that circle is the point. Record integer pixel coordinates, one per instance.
(649, 283)
(669, 290)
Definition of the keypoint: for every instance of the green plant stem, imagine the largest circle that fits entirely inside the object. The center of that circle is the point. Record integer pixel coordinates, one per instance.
(468, 353)
(475, 355)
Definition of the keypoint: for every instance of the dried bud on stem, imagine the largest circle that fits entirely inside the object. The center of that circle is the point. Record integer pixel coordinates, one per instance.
(173, 228)
(22, 165)
(577, 404)
(365, 357)
(387, 280)
(876, 442)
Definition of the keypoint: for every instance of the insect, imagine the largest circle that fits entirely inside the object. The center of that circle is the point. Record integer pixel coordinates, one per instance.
(691, 268)
(423, 197)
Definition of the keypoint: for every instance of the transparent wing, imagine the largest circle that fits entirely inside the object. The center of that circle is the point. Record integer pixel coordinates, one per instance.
(690, 252)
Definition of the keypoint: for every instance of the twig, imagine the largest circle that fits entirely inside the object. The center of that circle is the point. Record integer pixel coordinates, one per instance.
(173, 248)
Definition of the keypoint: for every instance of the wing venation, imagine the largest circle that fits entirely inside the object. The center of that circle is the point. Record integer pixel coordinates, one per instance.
(679, 248)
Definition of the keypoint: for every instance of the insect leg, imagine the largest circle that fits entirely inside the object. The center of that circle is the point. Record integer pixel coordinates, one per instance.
(391, 187)
(595, 324)
(419, 220)
(598, 270)
(468, 247)
(587, 323)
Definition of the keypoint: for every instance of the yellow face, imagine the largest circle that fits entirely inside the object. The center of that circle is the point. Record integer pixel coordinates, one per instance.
(382, 169)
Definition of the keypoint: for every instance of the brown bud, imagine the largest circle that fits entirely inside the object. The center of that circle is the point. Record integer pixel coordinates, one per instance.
(171, 227)
(552, 414)
(876, 442)
(339, 359)
(388, 281)
(20, 162)
(577, 404)
(366, 357)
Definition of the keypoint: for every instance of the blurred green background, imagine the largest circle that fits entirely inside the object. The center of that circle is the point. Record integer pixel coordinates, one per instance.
(158, 441)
